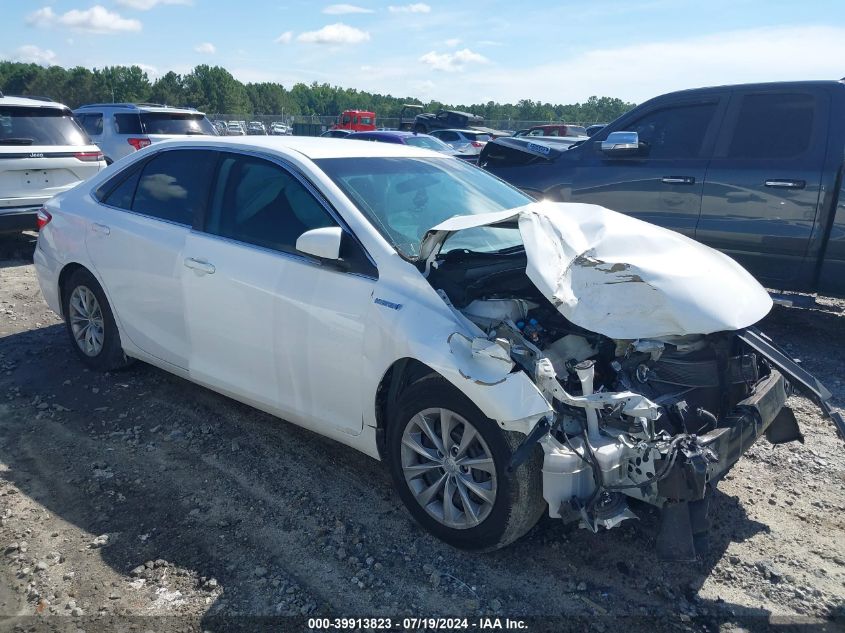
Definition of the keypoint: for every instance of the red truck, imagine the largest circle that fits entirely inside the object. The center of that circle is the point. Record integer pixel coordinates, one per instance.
(356, 120)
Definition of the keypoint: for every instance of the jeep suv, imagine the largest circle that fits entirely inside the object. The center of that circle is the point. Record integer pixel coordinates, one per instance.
(123, 128)
(42, 152)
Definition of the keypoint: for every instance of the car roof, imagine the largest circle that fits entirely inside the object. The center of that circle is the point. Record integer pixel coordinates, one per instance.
(313, 147)
(388, 133)
(463, 131)
(140, 107)
(32, 103)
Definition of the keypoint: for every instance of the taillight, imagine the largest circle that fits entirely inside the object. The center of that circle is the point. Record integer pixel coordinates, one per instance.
(42, 218)
(139, 143)
(88, 157)
(476, 144)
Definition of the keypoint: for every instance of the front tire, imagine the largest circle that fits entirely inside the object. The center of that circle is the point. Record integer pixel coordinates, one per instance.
(449, 466)
(90, 323)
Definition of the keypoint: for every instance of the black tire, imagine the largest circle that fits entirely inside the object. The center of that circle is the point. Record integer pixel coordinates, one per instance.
(420, 129)
(110, 357)
(519, 502)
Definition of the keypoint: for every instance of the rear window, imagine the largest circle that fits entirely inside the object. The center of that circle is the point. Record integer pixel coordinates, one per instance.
(477, 137)
(127, 124)
(176, 123)
(21, 125)
(427, 142)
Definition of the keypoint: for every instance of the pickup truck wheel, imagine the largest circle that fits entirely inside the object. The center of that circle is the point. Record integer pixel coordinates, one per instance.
(449, 466)
(420, 129)
(90, 323)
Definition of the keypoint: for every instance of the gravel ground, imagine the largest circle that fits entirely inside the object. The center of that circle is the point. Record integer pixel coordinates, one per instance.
(138, 494)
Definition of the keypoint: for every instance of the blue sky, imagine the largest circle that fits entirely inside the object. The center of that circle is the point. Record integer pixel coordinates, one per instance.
(461, 51)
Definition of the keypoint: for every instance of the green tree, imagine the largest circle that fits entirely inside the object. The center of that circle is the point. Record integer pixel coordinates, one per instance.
(214, 90)
(169, 89)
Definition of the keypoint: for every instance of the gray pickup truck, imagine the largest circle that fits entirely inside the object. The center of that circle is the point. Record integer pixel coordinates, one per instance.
(753, 170)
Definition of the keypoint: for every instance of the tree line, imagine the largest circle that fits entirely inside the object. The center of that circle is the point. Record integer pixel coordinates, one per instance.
(213, 89)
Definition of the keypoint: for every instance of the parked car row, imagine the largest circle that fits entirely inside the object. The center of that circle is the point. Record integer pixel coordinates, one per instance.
(462, 143)
(253, 128)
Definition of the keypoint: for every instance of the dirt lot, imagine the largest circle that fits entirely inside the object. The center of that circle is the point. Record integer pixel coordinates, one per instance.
(139, 494)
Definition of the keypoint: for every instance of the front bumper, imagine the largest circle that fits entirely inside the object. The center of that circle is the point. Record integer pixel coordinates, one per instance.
(706, 459)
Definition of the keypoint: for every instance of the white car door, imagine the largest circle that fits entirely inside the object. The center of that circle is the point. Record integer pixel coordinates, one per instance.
(135, 242)
(268, 325)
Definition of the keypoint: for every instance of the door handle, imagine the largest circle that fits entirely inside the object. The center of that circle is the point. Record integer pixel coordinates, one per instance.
(199, 265)
(100, 228)
(778, 183)
(679, 180)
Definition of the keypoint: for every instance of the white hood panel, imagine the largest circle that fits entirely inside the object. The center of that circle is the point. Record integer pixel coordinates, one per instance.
(622, 277)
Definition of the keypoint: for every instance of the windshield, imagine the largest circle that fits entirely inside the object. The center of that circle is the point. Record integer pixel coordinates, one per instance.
(427, 142)
(404, 197)
(21, 125)
(176, 123)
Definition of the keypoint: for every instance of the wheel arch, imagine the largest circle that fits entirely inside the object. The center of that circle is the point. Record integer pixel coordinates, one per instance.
(64, 275)
(401, 374)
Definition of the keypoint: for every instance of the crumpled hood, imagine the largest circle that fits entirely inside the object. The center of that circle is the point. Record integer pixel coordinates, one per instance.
(622, 277)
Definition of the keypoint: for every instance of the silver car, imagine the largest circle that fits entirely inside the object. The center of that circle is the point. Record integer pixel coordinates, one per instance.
(120, 129)
(471, 141)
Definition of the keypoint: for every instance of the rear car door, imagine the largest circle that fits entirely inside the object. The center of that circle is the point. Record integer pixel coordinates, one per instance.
(663, 183)
(135, 241)
(269, 325)
(761, 194)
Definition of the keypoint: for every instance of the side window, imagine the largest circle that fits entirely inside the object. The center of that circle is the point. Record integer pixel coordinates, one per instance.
(92, 123)
(121, 194)
(773, 126)
(258, 202)
(127, 124)
(174, 185)
(675, 132)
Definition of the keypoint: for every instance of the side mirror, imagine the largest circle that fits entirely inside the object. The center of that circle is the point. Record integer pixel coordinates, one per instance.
(621, 144)
(323, 243)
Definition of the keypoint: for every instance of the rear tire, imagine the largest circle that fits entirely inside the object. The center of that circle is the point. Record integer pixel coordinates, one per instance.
(489, 507)
(90, 323)
(420, 129)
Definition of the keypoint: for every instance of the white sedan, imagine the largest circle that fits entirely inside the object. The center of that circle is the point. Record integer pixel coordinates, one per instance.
(505, 357)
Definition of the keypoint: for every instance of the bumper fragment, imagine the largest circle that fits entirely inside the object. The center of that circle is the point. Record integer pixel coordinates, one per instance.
(798, 377)
(706, 460)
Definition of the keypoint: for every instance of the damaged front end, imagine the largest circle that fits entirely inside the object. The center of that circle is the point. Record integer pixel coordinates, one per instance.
(654, 415)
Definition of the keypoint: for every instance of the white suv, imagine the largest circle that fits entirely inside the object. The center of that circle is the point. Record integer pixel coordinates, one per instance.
(123, 128)
(42, 152)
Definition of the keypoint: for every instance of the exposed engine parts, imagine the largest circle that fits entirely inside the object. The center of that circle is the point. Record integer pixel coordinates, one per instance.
(654, 420)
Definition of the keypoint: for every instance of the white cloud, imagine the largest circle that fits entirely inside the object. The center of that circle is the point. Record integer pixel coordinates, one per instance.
(343, 9)
(335, 34)
(151, 71)
(452, 43)
(417, 7)
(206, 48)
(146, 5)
(640, 71)
(453, 62)
(284, 38)
(97, 19)
(31, 54)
